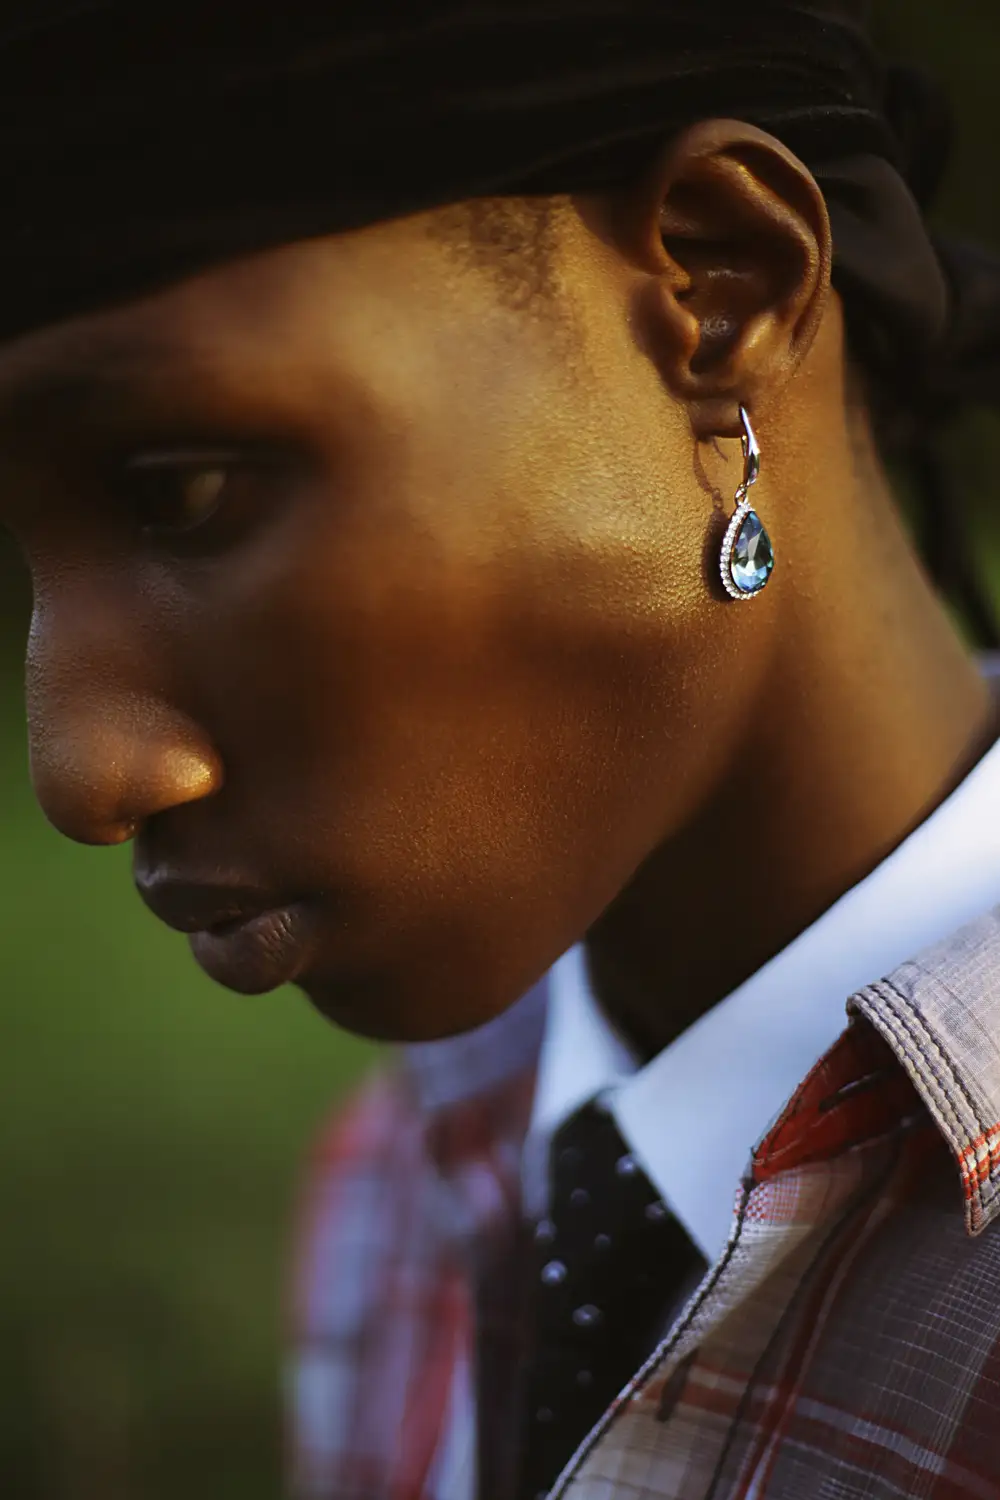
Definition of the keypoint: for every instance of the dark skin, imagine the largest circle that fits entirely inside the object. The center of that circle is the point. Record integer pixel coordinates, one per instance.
(393, 604)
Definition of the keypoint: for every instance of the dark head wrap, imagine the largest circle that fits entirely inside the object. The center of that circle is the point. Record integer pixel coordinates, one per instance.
(138, 144)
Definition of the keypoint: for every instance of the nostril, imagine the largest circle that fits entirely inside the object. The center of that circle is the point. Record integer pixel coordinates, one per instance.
(100, 787)
(113, 834)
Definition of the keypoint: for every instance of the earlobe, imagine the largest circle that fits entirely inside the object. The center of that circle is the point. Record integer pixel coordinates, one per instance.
(742, 234)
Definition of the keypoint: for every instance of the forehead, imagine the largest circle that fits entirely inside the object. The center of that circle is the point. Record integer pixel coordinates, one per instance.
(149, 328)
(356, 277)
(286, 336)
(260, 310)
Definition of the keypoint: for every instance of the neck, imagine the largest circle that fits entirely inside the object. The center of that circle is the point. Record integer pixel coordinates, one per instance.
(873, 712)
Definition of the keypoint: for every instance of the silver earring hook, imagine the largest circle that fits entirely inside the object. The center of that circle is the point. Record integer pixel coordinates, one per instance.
(751, 455)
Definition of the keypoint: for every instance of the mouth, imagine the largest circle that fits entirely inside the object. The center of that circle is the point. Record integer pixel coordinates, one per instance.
(242, 939)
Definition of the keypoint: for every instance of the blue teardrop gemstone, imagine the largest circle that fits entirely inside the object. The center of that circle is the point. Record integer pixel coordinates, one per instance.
(753, 557)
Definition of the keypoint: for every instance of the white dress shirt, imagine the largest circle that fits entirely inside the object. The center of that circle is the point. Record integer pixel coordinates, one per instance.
(694, 1114)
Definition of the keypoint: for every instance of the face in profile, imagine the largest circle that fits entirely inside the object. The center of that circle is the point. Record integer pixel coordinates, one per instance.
(372, 601)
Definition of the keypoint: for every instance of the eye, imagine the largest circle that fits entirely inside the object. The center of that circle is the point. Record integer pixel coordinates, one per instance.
(171, 495)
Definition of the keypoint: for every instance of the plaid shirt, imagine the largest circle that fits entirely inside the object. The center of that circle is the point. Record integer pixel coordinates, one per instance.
(846, 1344)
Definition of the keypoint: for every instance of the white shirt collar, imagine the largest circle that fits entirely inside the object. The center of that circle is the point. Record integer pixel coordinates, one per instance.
(694, 1114)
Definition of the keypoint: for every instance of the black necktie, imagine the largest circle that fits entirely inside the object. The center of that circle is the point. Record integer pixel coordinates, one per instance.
(610, 1260)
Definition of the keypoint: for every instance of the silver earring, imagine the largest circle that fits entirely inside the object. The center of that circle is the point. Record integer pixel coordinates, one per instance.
(747, 560)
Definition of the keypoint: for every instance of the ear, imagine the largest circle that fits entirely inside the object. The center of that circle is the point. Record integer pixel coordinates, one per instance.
(737, 233)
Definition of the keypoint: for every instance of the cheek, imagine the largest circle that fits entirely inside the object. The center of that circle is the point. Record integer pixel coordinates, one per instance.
(472, 690)
(479, 724)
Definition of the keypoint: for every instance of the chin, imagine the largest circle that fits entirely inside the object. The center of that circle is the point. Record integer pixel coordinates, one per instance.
(382, 1009)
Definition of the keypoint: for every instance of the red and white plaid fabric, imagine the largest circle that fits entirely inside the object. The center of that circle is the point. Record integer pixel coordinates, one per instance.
(846, 1345)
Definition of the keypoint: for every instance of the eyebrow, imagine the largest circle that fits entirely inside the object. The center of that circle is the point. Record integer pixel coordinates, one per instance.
(84, 383)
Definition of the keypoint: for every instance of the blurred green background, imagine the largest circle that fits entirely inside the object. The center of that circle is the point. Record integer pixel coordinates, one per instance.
(152, 1124)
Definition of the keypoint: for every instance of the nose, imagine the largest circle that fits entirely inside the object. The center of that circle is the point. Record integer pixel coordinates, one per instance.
(100, 776)
(108, 750)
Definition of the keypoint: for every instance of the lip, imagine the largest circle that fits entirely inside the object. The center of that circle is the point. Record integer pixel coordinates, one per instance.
(258, 953)
(245, 938)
